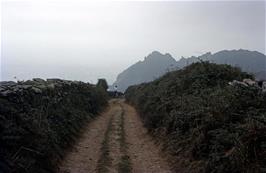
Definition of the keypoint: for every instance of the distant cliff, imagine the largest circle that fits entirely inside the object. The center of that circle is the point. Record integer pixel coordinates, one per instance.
(153, 66)
(157, 64)
(250, 61)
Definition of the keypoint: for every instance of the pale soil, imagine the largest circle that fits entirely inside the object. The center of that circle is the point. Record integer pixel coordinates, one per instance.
(84, 156)
(113, 143)
(144, 155)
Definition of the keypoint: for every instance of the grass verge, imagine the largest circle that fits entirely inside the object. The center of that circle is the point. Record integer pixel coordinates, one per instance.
(105, 159)
(124, 165)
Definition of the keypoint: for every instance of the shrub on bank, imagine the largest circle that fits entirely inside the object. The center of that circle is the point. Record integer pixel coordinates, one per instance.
(208, 125)
(40, 119)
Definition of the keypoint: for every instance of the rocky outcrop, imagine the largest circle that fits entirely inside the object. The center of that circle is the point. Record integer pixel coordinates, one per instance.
(152, 67)
(157, 64)
(249, 61)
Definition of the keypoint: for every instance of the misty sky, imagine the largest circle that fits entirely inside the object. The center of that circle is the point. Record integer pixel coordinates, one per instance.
(81, 40)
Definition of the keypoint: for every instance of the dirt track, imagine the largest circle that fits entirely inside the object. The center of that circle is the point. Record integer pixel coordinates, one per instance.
(115, 142)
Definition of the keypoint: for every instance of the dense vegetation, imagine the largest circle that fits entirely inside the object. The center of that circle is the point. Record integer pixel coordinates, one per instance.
(207, 125)
(39, 120)
(102, 83)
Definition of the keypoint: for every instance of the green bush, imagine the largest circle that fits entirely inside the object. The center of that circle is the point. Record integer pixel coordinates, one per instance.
(37, 128)
(102, 83)
(212, 126)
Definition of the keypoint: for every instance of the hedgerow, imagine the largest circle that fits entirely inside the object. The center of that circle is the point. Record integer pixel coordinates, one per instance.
(206, 124)
(40, 120)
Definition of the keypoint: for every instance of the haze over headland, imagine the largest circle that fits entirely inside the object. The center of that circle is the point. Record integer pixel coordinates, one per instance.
(82, 40)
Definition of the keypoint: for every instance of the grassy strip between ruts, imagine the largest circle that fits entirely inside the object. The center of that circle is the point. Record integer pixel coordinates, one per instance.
(124, 164)
(105, 159)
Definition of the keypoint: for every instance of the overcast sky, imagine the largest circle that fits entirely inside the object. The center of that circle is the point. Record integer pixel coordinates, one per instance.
(81, 40)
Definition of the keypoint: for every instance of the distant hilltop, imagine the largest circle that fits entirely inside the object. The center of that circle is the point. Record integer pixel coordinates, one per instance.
(157, 64)
(152, 67)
